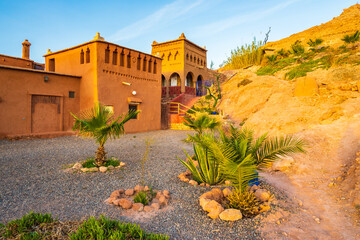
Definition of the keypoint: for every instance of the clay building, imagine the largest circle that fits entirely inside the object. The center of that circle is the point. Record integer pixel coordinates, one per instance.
(39, 102)
(184, 67)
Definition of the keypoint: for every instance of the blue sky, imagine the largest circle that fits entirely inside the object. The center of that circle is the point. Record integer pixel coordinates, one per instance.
(220, 25)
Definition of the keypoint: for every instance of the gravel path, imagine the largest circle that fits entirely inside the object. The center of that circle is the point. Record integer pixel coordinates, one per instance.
(31, 179)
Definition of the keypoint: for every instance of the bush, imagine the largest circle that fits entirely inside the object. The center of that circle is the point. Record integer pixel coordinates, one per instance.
(90, 163)
(142, 197)
(245, 201)
(309, 66)
(277, 66)
(26, 226)
(297, 48)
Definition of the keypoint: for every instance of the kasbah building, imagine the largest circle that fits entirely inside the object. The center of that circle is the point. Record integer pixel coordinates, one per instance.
(36, 99)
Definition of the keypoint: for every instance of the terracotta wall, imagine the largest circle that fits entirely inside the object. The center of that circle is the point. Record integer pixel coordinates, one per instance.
(113, 92)
(16, 62)
(16, 93)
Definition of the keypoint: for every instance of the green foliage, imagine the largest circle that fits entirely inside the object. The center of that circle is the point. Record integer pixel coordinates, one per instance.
(104, 228)
(277, 66)
(142, 197)
(201, 121)
(208, 169)
(316, 42)
(271, 58)
(351, 38)
(99, 123)
(245, 201)
(309, 66)
(26, 226)
(214, 93)
(297, 48)
(246, 55)
(90, 163)
(112, 162)
(282, 53)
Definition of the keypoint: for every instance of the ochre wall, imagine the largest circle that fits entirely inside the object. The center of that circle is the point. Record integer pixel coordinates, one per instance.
(16, 62)
(17, 87)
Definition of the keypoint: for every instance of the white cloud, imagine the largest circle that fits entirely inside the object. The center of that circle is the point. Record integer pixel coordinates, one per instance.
(166, 14)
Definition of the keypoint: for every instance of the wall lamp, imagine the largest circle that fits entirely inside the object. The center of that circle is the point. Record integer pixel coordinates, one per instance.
(126, 83)
(46, 79)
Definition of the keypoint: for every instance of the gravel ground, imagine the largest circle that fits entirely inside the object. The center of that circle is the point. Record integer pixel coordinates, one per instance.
(32, 179)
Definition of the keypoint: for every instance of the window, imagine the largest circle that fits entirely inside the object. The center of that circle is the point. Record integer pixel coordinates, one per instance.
(107, 55)
(155, 66)
(187, 57)
(144, 64)
(115, 57)
(138, 62)
(122, 58)
(169, 56)
(52, 65)
(133, 107)
(149, 68)
(128, 60)
(87, 55)
(82, 57)
(175, 56)
(190, 58)
(71, 94)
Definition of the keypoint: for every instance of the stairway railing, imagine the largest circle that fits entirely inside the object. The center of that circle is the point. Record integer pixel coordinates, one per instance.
(178, 108)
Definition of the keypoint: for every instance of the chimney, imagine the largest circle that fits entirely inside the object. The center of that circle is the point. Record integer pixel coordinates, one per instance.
(26, 49)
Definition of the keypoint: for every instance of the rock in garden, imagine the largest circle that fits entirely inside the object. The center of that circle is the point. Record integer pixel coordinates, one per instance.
(187, 172)
(204, 201)
(155, 200)
(125, 204)
(185, 180)
(262, 195)
(148, 209)
(103, 169)
(146, 188)
(155, 206)
(138, 207)
(138, 188)
(77, 166)
(121, 191)
(208, 195)
(115, 194)
(84, 169)
(116, 202)
(192, 182)
(158, 195)
(207, 185)
(202, 184)
(254, 188)
(226, 192)
(129, 192)
(230, 215)
(215, 213)
(166, 194)
(163, 201)
(283, 163)
(212, 205)
(217, 194)
(122, 164)
(111, 167)
(227, 182)
(93, 169)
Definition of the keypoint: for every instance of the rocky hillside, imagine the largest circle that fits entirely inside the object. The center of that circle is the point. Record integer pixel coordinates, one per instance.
(331, 32)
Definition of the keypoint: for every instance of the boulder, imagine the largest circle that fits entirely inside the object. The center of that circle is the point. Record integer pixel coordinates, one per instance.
(138, 207)
(208, 195)
(138, 188)
(93, 169)
(158, 195)
(125, 204)
(129, 192)
(212, 205)
(215, 213)
(116, 202)
(148, 209)
(77, 166)
(122, 164)
(262, 195)
(217, 194)
(163, 201)
(203, 201)
(115, 194)
(306, 86)
(111, 167)
(146, 188)
(155, 206)
(121, 190)
(283, 163)
(230, 215)
(166, 194)
(103, 169)
(207, 185)
(194, 183)
(202, 184)
(226, 192)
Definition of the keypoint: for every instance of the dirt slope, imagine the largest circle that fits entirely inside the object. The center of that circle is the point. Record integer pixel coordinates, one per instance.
(331, 32)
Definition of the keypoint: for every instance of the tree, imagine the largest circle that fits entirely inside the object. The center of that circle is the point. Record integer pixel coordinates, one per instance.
(99, 123)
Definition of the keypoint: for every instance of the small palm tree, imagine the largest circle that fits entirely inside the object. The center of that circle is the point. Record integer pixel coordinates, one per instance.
(201, 121)
(98, 122)
(351, 38)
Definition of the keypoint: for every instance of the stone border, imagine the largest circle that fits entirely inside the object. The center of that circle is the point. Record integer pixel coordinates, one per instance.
(186, 177)
(124, 199)
(77, 167)
(211, 203)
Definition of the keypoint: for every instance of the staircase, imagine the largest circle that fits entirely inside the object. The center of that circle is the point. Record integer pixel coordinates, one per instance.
(178, 108)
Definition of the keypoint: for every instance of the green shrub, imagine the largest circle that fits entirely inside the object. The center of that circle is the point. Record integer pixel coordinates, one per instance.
(309, 66)
(297, 48)
(246, 55)
(271, 58)
(112, 162)
(352, 38)
(316, 42)
(90, 163)
(277, 66)
(26, 226)
(141, 197)
(282, 53)
(245, 201)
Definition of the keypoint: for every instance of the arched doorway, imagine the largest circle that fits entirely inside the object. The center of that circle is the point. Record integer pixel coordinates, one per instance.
(199, 86)
(175, 80)
(163, 81)
(189, 82)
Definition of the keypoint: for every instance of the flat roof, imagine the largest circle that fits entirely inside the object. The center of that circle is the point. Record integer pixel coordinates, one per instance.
(37, 71)
(100, 41)
(18, 58)
(180, 39)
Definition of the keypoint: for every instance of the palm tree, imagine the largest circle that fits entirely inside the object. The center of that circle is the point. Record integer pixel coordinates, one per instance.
(99, 123)
(351, 38)
(200, 121)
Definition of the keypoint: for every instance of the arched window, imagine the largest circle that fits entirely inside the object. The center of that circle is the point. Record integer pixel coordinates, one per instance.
(190, 58)
(201, 62)
(122, 58)
(87, 55)
(138, 62)
(169, 56)
(175, 80)
(107, 54)
(194, 59)
(128, 60)
(115, 54)
(187, 57)
(149, 68)
(189, 82)
(155, 66)
(82, 57)
(163, 81)
(176, 54)
(144, 64)
(198, 61)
